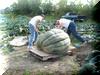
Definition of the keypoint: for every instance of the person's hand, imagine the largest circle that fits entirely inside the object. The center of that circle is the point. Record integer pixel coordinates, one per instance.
(36, 30)
(39, 31)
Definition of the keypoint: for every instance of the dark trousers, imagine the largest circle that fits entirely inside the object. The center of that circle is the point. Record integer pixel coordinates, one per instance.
(72, 30)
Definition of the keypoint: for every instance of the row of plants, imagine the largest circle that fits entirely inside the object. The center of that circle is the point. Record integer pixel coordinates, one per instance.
(18, 25)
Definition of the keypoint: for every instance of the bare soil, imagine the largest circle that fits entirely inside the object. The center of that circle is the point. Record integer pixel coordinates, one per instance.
(20, 62)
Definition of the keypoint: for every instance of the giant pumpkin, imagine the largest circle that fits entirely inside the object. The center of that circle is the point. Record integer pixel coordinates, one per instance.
(55, 41)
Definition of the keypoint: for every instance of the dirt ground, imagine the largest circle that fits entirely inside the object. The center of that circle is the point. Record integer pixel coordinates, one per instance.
(20, 62)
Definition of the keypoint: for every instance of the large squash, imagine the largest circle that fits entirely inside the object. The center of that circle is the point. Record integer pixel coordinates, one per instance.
(55, 41)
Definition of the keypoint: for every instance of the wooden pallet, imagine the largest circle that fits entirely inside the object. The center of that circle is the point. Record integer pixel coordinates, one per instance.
(42, 55)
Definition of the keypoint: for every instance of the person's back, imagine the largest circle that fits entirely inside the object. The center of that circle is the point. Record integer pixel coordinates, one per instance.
(65, 22)
(36, 19)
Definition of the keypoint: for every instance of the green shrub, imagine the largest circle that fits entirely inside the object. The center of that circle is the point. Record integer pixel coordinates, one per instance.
(16, 25)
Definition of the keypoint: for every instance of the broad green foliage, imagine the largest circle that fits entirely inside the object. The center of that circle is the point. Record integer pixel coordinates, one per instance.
(16, 25)
(96, 43)
(92, 64)
(96, 18)
(45, 26)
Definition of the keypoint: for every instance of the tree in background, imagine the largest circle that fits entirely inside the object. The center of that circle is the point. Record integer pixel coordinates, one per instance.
(34, 7)
(22, 7)
(61, 8)
(46, 7)
(26, 7)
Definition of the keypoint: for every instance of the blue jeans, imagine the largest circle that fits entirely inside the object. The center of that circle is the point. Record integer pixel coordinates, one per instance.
(32, 36)
(72, 30)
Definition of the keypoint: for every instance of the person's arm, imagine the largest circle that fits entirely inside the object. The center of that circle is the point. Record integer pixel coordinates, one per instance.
(37, 26)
